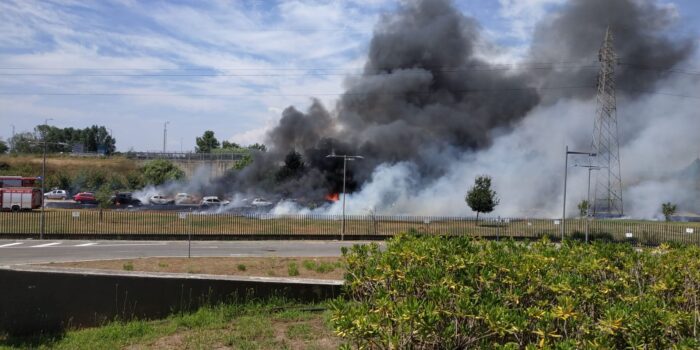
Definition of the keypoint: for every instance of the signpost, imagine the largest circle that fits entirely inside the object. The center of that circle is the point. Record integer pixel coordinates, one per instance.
(183, 216)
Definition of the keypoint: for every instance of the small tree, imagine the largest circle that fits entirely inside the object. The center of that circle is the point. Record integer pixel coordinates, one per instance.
(160, 171)
(481, 198)
(293, 167)
(104, 199)
(3, 147)
(668, 210)
(583, 208)
(207, 142)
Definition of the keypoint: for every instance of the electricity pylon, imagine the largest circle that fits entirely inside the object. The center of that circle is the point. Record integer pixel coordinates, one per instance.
(607, 200)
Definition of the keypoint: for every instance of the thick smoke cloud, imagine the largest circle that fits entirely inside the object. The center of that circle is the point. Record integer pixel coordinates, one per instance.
(428, 121)
(573, 37)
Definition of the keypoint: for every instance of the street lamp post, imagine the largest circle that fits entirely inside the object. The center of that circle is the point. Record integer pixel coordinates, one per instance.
(566, 173)
(43, 181)
(165, 134)
(345, 165)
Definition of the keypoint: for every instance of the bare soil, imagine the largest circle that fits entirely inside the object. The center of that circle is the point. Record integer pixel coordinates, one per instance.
(230, 266)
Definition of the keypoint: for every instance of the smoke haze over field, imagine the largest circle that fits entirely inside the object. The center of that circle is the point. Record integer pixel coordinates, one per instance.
(429, 116)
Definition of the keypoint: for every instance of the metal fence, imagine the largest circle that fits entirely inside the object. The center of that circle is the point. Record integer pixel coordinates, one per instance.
(68, 224)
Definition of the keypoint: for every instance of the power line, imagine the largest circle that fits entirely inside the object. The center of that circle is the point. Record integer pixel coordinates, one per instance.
(659, 69)
(311, 72)
(583, 87)
(307, 70)
(495, 90)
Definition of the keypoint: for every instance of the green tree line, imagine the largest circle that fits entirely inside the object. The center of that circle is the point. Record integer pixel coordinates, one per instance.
(93, 139)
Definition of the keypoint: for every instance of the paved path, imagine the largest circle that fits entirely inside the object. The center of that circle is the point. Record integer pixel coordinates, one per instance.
(35, 251)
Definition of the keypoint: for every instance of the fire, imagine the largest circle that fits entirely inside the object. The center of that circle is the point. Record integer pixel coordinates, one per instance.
(333, 197)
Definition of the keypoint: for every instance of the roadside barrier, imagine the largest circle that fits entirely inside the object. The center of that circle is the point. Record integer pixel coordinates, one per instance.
(66, 224)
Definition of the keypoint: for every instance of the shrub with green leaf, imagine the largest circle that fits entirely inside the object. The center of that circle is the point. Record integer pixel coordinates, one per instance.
(160, 171)
(454, 293)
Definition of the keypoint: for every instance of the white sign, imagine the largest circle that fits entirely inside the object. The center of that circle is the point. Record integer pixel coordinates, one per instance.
(557, 222)
(529, 224)
(507, 221)
(182, 215)
(76, 214)
(629, 235)
(689, 230)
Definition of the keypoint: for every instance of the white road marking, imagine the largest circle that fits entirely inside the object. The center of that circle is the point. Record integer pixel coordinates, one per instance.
(46, 245)
(130, 244)
(86, 244)
(10, 244)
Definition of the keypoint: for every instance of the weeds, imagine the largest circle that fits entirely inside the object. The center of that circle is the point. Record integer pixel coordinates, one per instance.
(241, 267)
(320, 267)
(293, 269)
(129, 266)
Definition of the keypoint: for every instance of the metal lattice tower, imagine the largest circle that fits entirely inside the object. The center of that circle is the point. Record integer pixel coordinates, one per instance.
(608, 185)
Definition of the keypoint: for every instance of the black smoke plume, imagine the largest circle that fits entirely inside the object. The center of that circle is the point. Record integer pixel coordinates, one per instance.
(421, 100)
(573, 35)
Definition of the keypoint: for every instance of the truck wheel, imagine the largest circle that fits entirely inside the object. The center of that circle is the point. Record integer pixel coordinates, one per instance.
(15, 208)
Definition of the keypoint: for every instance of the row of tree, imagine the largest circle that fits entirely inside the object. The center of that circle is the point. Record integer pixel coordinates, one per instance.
(92, 139)
(208, 143)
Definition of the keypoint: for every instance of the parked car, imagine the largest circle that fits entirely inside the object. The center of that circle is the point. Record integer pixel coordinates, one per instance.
(56, 194)
(259, 202)
(161, 200)
(184, 198)
(211, 201)
(124, 198)
(85, 198)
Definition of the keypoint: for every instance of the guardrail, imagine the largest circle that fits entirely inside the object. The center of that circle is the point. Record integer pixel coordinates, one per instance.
(206, 225)
(185, 155)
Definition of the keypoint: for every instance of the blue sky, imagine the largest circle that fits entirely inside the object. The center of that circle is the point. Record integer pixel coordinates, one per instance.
(227, 66)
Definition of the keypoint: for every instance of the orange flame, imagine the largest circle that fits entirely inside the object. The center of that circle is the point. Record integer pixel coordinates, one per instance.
(333, 197)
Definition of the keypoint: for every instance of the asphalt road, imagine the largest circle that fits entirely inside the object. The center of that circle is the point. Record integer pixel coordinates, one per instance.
(13, 252)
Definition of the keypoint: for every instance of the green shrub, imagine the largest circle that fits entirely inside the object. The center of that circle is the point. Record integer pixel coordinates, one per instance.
(437, 292)
(241, 267)
(159, 171)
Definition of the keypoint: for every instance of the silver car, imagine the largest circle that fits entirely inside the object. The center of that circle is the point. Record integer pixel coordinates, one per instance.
(160, 199)
(56, 194)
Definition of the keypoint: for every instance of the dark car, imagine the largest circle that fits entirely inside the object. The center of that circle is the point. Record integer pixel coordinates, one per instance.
(85, 198)
(124, 198)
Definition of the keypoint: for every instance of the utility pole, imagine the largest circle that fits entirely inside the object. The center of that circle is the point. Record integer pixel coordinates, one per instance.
(607, 198)
(165, 134)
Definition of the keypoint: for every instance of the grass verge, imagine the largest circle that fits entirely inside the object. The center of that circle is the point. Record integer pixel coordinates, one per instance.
(273, 324)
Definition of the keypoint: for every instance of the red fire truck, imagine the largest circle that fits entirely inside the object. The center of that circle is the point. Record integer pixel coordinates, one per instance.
(17, 181)
(20, 198)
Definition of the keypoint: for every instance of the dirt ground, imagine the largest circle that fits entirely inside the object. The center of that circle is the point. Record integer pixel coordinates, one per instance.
(318, 268)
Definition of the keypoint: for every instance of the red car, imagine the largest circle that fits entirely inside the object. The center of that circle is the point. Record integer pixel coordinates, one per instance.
(85, 197)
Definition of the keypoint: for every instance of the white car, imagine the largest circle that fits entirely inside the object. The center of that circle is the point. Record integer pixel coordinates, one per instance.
(259, 202)
(56, 194)
(212, 201)
(184, 198)
(161, 200)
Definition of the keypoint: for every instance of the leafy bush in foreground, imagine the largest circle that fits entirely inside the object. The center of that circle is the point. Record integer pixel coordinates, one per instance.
(447, 293)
